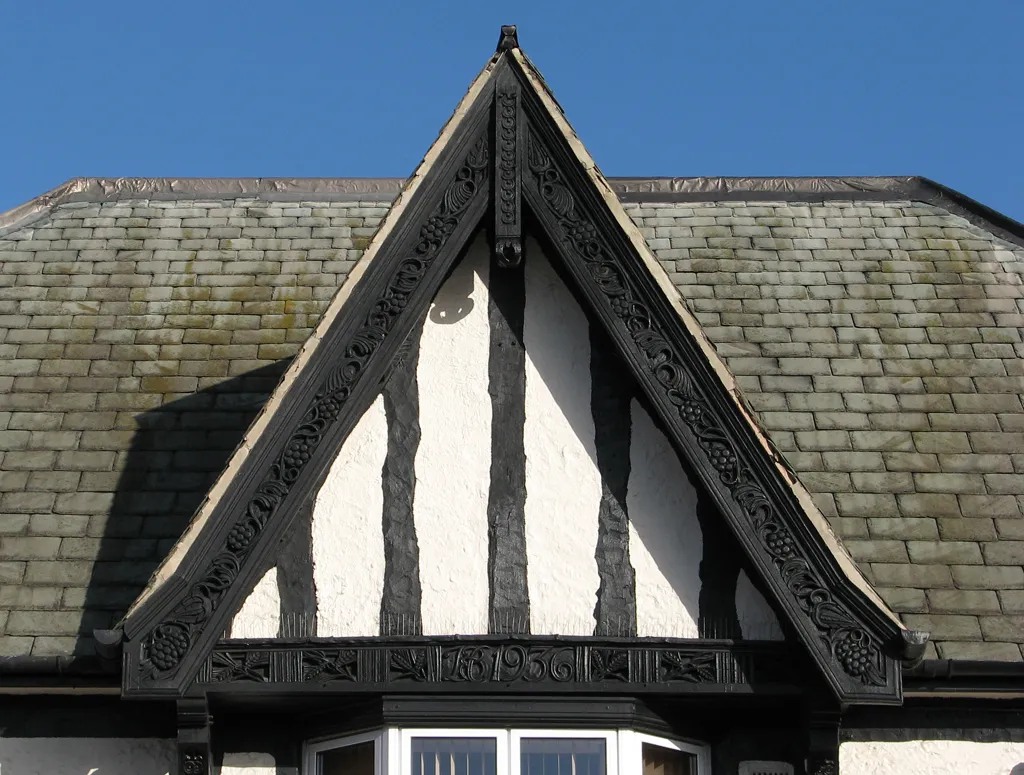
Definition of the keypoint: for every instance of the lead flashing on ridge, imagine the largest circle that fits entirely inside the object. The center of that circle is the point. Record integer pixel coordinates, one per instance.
(628, 189)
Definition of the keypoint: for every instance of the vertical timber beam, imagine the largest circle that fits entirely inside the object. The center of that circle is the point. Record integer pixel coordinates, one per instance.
(510, 600)
(508, 169)
(822, 741)
(194, 737)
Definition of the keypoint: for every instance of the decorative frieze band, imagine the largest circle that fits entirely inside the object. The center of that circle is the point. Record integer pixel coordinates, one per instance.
(532, 664)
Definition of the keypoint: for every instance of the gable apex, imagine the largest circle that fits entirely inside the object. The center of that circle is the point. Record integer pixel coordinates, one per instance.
(493, 166)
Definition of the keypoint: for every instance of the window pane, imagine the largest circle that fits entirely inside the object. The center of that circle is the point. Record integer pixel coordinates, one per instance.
(561, 756)
(665, 761)
(350, 760)
(454, 756)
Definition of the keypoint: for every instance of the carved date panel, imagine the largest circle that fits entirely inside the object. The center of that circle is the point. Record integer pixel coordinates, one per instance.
(445, 665)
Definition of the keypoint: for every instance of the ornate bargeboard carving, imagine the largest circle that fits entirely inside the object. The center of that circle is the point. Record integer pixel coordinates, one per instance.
(169, 641)
(850, 644)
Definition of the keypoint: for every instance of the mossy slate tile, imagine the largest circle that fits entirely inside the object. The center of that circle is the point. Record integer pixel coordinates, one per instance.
(888, 383)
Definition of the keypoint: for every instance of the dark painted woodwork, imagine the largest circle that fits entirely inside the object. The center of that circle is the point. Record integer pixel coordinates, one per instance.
(63, 715)
(524, 664)
(193, 737)
(508, 209)
(172, 631)
(719, 571)
(400, 602)
(852, 641)
(937, 718)
(295, 586)
(508, 39)
(822, 736)
(506, 499)
(610, 398)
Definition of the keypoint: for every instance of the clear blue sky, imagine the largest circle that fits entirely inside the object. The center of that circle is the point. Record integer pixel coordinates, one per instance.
(324, 89)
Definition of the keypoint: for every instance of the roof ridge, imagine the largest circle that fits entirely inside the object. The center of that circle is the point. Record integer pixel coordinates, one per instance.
(628, 189)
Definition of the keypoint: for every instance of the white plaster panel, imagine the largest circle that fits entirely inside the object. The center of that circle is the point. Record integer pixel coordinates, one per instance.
(756, 617)
(931, 757)
(453, 459)
(665, 539)
(86, 756)
(348, 535)
(248, 764)
(260, 614)
(563, 484)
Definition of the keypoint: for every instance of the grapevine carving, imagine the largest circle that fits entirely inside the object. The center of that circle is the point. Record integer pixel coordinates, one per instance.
(859, 655)
(432, 663)
(167, 644)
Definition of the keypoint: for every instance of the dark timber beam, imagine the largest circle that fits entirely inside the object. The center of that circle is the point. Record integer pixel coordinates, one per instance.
(507, 144)
(822, 741)
(193, 737)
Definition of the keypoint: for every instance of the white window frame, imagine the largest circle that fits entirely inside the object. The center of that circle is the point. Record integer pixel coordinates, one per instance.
(631, 751)
(610, 737)
(623, 747)
(406, 735)
(380, 763)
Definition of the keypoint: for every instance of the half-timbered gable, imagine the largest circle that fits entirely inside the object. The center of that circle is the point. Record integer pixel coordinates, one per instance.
(510, 477)
(507, 424)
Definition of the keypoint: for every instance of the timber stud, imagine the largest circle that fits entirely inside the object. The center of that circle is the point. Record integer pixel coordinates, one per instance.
(507, 141)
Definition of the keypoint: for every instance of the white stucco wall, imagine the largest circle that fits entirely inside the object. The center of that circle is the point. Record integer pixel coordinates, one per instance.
(931, 757)
(757, 619)
(665, 540)
(453, 462)
(348, 538)
(563, 485)
(260, 614)
(86, 756)
(452, 466)
(248, 764)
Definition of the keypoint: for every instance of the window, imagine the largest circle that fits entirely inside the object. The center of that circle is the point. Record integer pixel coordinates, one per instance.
(358, 755)
(396, 751)
(565, 756)
(451, 755)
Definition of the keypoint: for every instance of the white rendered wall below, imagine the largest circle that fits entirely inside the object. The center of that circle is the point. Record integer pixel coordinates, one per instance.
(563, 482)
(86, 756)
(931, 757)
(260, 614)
(247, 764)
(453, 478)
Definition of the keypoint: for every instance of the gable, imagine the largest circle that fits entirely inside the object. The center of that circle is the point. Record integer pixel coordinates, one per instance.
(542, 172)
(510, 478)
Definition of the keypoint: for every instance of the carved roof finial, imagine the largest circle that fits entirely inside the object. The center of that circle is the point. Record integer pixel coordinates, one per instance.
(509, 38)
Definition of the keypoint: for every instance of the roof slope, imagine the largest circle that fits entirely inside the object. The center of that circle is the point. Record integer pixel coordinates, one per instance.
(878, 341)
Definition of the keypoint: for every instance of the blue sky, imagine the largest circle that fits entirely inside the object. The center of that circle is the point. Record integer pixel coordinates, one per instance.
(323, 89)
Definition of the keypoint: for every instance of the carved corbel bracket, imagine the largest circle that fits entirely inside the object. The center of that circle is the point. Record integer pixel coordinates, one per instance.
(822, 741)
(193, 737)
(508, 177)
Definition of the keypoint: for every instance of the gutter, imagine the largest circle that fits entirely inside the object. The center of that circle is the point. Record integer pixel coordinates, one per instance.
(963, 677)
(59, 675)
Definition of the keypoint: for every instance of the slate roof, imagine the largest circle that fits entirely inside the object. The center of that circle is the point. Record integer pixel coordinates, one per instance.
(878, 340)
